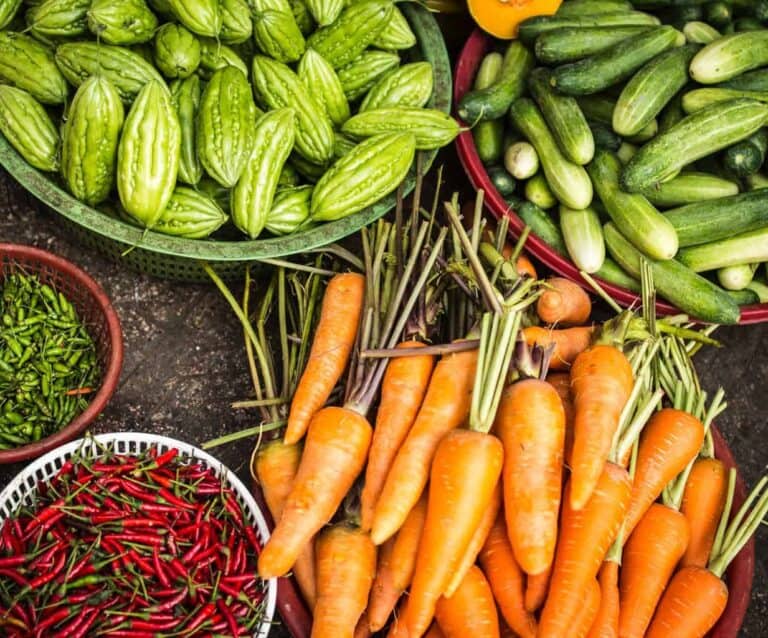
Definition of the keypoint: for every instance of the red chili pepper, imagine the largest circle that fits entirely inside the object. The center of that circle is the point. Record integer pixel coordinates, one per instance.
(130, 633)
(13, 561)
(137, 492)
(157, 508)
(165, 458)
(204, 615)
(49, 576)
(159, 569)
(160, 479)
(170, 603)
(229, 590)
(250, 534)
(168, 496)
(228, 617)
(41, 517)
(135, 537)
(53, 619)
(154, 624)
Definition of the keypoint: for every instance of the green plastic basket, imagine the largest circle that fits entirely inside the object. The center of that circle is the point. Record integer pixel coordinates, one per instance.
(179, 259)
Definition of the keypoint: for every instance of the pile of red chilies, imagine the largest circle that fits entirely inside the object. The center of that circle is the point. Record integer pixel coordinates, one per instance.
(124, 546)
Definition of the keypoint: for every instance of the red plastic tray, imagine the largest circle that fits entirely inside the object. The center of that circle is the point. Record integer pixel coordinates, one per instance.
(472, 54)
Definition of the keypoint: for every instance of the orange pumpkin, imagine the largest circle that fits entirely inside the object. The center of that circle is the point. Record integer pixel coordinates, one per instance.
(501, 18)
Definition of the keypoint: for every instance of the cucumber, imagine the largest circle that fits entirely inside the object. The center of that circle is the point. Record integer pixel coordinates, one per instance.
(583, 237)
(502, 180)
(756, 181)
(690, 292)
(568, 181)
(748, 156)
(493, 102)
(730, 56)
(752, 81)
(626, 152)
(715, 219)
(604, 137)
(718, 14)
(537, 191)
(700, 32)
(744, 297)
(489, 135)
(651, 89)
(681, 15)
(591, 7)
(760, 290)
(747, 24)
(637, 218)
(648, 132)
(564, 118)
(672, 114)
(597, 108)
(741, 249)
(599, 71)
(690, 187)
(760, 10)
(521, 160)
(574, 43)
(611, 272)
(533, 27)
(541, 225)
(736, 277)
(698, 99)
(698, 135)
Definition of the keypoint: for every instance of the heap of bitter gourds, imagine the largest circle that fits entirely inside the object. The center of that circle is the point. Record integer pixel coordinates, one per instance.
(158, 118)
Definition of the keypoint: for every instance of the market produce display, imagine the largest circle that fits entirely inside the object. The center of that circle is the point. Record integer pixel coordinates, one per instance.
(180, 116)
(617, 129)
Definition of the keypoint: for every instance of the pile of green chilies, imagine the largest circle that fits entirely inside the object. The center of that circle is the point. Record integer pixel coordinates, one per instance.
(130, 546)
(48, 363)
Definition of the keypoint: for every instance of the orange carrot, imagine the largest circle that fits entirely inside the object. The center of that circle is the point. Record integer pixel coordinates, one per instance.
(536, 588)
(650, 557)
(477, 542)
(397, 560)
(567, 343)
(524, 265)
(471, 610)
(563, 302)
(445, 407)
(670, 441)
(588, 611)
(465, 471)
(703, 503)
(606, 624)
(602, 381)
(363, 629)
(561, 382)
(434, 632)
(692, 603)
(331, 347)
(531, 424)
(275, 466)
(506, 579)
(346, 562)
(402, 391)
(334, 454)
(585, 536)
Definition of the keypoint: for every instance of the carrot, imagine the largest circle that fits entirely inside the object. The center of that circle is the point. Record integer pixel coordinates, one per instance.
(536, 588)
(363, 629)
(585, 536)
(275, 466)
(650, 557)
(561, 382)
(703, 503)
(524, 265)
(602, 381)
(445, 407)
(471, 610)
(606, 623)
(506, 579)
(331, 347)
(588, 611)
(563, 302)
(334, 454)
(434, 632)
(531, 424)
(346, 562)
(671, 439)
(567, 343)
(477, 542)
(397, 560)
(465, 471)
(402, 391)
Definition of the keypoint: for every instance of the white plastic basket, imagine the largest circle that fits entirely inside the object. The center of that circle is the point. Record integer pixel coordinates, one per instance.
(24, 485)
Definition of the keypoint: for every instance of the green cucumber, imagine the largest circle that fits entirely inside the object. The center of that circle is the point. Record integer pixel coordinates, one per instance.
(638, 219)
(648, 132)
(736, 277)
(591, 7)
(583, 237)
(502, 180)
(700, 32)
(705, 132)
(602, 70)
(493, 102)
(521, 160)
(741, 249)
(568, 181)
(747, 24)
(489, 135)
(718, 14)
(597, 108)
(611, 272)
(678, 284)
(744, 297)
(698, 99)
(537, 191)
(564, 118)
(574, 43)
(673, 112)
(690, 187)
(626, 152)
(531, 28)
(715, 219)
(730, 56)
(604, 137)
(756, 181)
(752, 81)
(651, 89)
(747, 156)
(760, 290)
(541, 225)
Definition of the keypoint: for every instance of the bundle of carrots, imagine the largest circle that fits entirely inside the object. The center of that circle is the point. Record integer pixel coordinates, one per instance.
(533, 476)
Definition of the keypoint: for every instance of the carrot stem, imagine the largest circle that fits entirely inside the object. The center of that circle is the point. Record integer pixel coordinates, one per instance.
(723, 524)
(258, 403)
(257, 430)
(600, 292)
(634, 427)
(443, 348)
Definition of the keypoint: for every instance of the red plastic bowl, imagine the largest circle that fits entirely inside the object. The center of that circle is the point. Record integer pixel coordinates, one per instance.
(298, 619)
(471, 56)
(100, 319)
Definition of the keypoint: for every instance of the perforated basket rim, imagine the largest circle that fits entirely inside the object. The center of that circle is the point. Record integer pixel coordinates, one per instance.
(23, 486)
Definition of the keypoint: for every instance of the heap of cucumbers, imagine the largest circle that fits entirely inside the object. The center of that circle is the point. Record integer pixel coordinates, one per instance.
(619, 130)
